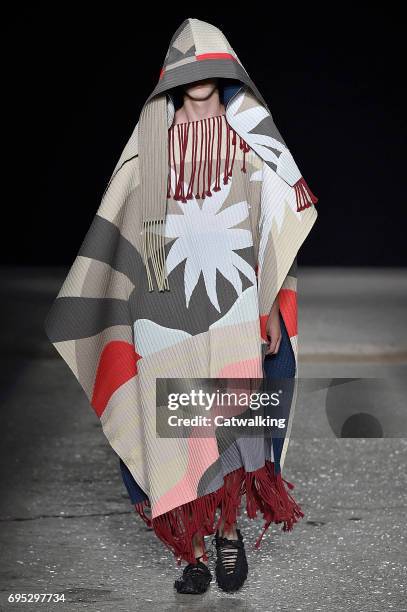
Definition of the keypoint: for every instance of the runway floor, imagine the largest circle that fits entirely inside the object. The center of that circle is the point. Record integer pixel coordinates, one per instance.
(66, 525)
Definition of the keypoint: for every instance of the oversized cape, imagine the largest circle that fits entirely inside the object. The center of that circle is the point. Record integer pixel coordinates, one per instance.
(118, 323)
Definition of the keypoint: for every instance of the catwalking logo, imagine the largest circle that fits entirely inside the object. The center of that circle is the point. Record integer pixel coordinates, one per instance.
(222, 421)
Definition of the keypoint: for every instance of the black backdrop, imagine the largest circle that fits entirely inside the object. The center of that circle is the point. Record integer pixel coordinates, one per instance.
(77, 76)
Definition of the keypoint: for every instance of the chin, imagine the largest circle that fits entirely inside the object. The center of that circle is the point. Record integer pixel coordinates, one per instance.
(200, 90)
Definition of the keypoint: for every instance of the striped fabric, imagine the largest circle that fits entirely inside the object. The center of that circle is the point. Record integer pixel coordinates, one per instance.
(236, 213)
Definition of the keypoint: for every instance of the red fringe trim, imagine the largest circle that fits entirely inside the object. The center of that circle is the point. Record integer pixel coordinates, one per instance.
(304, 195)
(265, 491)
(202, 161)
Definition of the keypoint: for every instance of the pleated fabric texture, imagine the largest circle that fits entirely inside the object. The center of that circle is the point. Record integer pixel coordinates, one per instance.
(196, 235)
(153, 169)
(213, 208)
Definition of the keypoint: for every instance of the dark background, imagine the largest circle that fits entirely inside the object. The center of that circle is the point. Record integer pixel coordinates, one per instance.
(77, 76)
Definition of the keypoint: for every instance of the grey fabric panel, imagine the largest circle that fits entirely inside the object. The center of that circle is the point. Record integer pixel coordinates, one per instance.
(249, 452)
(267, 126)
(228, 461)
(169, 308)
(104, 242)
(293, 270)
(175, 54)
(72, 318)
(177, 32)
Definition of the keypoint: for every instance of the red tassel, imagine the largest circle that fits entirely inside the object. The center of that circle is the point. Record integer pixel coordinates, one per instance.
(200, 161)
(227, 160)
(304, 196)
(205, 158)
(210, 154)
(218, 154)
(209, 129)
(265, 491)
(177, 195)
(183, 131)
(177, 184)
(245, 148)
(234, 151)
(184, 149)
(194, 147)
(172, 153)
(139, 507)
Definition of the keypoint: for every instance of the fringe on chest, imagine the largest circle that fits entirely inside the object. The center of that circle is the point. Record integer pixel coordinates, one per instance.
(201, 154)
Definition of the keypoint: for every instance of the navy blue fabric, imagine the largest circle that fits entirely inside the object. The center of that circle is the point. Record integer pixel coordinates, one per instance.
(135, 492)
(229, 90)
(281, 365)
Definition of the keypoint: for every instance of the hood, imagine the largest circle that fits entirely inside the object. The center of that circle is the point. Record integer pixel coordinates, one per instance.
(199, 50)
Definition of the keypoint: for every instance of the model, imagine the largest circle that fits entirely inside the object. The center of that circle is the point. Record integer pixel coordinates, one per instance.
(189, 271)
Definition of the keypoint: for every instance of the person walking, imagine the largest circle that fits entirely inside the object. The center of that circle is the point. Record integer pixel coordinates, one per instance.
(189, 271)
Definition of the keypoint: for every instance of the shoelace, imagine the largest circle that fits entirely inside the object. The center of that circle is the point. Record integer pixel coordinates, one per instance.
(228, 553)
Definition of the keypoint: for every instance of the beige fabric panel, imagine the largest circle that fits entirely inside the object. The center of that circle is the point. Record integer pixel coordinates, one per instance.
(287, 231)
(209, 39)
(92, 278)
(123, 428)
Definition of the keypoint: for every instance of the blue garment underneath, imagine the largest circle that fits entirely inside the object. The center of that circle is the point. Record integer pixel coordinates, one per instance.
(281, 365)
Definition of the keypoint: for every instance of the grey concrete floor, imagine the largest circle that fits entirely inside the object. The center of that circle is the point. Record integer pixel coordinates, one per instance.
(66, 525)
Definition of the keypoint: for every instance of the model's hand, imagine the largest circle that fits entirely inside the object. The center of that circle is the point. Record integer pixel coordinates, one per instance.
(273, 329)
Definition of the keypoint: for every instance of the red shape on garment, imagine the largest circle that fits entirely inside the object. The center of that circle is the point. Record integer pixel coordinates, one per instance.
(206, 56)
(288, 309)
(263, 323)
(117, 364)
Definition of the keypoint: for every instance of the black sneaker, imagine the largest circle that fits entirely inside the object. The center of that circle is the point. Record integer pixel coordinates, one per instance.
(231, 562)
(195, 579)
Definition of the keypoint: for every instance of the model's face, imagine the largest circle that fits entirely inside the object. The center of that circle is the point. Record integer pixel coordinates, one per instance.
(200, 90)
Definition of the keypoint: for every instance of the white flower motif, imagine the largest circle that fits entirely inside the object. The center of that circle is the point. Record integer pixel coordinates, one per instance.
(245, 121)
(275, 198)
(248, 120)
(207, 239)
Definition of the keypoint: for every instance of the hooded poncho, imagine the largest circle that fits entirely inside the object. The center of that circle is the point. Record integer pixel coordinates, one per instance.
(195, 237)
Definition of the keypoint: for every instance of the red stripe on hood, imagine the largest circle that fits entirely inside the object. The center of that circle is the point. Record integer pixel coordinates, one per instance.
(205, 56)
